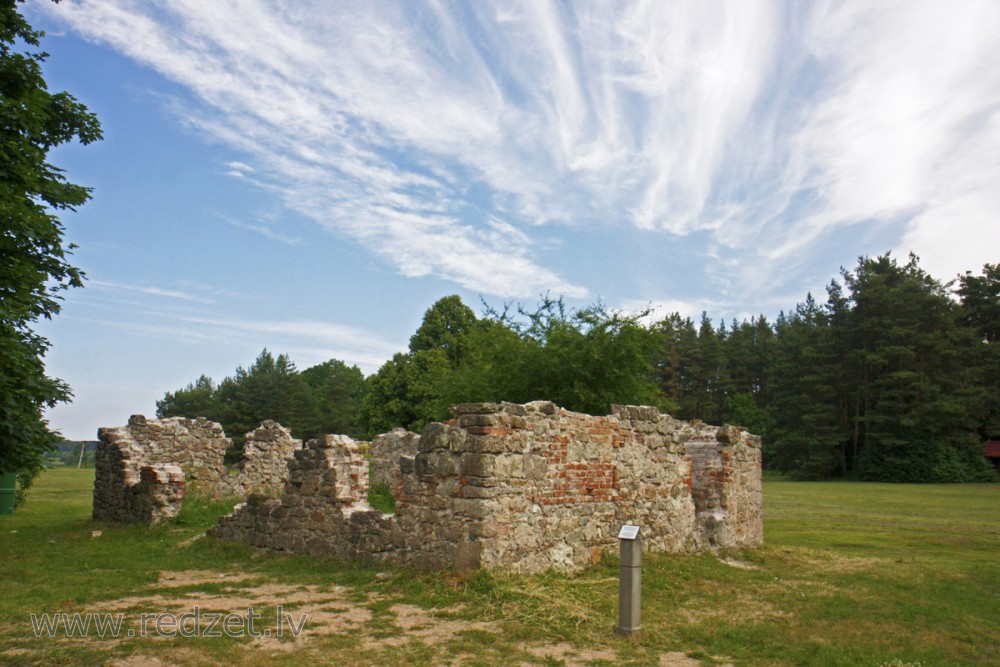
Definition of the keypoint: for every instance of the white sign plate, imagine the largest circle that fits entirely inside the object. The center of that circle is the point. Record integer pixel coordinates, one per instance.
(628, 533)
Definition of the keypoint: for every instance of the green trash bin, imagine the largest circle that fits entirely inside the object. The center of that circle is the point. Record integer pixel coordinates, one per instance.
(8, 485)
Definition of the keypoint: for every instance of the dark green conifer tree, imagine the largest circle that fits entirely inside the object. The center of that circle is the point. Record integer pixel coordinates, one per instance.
(806, 439)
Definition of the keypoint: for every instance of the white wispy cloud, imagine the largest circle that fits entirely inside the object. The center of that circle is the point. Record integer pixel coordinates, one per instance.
(154, 328)
(656, 310)
(717, 311)
(902, 131)
(264, 230)
(317, 331)
(151, 290)
(308, 342)
(441, 135)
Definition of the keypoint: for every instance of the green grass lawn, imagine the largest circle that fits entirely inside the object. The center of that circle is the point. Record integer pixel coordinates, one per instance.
(852, 574)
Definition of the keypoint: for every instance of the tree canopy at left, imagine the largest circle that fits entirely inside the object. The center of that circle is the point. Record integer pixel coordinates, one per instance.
(34, 267)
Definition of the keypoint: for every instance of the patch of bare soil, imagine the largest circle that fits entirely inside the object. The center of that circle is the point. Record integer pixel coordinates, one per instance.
(139, 660)
(189, 541)
(309, 613)
(571, 656)
(568, 654)
(178, 657)
(423, 625)
(305, 612)
(678, 659)
(198, 577)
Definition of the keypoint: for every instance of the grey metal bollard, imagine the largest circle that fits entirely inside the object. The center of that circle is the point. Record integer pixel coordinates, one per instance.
(630, 581)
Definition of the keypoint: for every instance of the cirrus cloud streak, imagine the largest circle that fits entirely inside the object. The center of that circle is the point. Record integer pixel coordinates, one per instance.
(442, 136)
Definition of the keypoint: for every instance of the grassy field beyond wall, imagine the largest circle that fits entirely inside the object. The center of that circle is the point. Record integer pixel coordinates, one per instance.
(852, 574)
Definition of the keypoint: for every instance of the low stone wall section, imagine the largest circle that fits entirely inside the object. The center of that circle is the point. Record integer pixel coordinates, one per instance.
(523, 488)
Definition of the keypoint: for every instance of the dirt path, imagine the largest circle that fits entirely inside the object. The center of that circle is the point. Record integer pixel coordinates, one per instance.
(318, 620)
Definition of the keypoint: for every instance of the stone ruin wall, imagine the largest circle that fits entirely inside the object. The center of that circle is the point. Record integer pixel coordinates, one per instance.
(144, 469)
(519, 487)
(383, 458)
(264, 467)
(726, 485)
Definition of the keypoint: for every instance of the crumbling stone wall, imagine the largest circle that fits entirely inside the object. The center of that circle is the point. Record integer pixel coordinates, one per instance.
(726, 486)
(264, 467)
(145, 468)
(383, 457)
(520, 487)
(128, 489)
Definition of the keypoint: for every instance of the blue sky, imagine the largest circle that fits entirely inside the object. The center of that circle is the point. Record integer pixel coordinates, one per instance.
(311, 176)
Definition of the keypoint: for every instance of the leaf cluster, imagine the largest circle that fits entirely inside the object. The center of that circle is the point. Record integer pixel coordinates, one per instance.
(582, 360)
(34, 267)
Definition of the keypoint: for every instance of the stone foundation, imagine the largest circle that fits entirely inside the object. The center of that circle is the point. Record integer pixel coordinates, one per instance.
(523, 488)
(145, 468)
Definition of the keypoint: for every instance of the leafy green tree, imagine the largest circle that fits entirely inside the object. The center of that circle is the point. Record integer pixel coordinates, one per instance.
(582, 360)
(33, 259)
(336, 392)
(491, 368)
(386, 405)
(888, 378)
(446, 326)
(411, 389)
(587, 359)
(195, 400)
(389, 400)
(270, 389)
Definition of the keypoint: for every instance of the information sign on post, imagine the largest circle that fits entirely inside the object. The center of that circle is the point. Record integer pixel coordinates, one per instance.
(630, 580)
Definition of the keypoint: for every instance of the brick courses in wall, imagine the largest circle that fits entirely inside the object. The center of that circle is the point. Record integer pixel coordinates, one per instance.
(523, 488)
